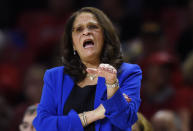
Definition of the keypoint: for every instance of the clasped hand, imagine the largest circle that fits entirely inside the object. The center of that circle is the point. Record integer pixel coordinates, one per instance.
(109, 73)
(104, 70)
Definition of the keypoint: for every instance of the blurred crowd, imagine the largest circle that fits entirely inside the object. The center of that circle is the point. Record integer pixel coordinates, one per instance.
(157, 35)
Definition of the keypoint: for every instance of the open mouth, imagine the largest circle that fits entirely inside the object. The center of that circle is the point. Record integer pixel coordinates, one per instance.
(88, 43)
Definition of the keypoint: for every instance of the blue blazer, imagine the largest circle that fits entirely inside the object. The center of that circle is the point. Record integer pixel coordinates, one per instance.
(120, 115)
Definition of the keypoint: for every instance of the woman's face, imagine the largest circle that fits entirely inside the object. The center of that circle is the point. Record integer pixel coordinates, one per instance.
(26, 124)
(87, 36)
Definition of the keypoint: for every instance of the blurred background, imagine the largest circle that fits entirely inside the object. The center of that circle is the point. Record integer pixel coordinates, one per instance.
(156, 34)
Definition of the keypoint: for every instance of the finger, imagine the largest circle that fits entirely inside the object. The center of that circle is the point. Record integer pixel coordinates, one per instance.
(101, 72)
(128, 100)
(106, 70)
(124, 94)
(92, 70)
(113, 70)
(106, 67)
(126, 97)
(102, 66)
(110, 68)
(101, 69)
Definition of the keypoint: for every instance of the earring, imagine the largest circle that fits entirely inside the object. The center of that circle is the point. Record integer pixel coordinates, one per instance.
(74, 52)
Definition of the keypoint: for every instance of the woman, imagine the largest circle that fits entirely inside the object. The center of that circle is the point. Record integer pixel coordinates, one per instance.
(28, 117)
(85, 93)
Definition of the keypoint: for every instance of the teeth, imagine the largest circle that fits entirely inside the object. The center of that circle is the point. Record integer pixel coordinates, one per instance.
(88, 46)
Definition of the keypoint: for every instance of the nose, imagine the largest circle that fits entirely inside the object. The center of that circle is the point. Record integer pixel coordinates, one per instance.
(86, 31)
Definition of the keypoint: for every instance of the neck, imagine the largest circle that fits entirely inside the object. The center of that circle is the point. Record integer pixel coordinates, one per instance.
(93, 64)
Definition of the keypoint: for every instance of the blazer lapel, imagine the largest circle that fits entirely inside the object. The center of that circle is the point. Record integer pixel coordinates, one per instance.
(67, 86)
(100, 92)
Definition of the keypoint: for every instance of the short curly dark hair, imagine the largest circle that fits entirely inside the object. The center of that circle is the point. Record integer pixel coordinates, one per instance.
(111, 53)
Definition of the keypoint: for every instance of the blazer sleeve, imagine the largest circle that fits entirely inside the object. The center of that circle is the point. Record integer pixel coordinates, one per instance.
(47, 117)
(121, 113)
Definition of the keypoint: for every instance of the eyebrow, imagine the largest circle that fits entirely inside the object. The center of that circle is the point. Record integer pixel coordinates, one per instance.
(24, 122)
(79, 25)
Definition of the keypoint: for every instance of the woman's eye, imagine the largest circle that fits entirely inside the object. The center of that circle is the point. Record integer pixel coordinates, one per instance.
(79, 29)
(93, 27)
(25, 125)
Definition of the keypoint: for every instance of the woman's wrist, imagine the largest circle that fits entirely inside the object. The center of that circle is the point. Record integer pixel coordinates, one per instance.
(83, 119)
(92, 116)
(86, 118)
(113, 85)
(112, 88)
(111, 81)
(99, 112)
